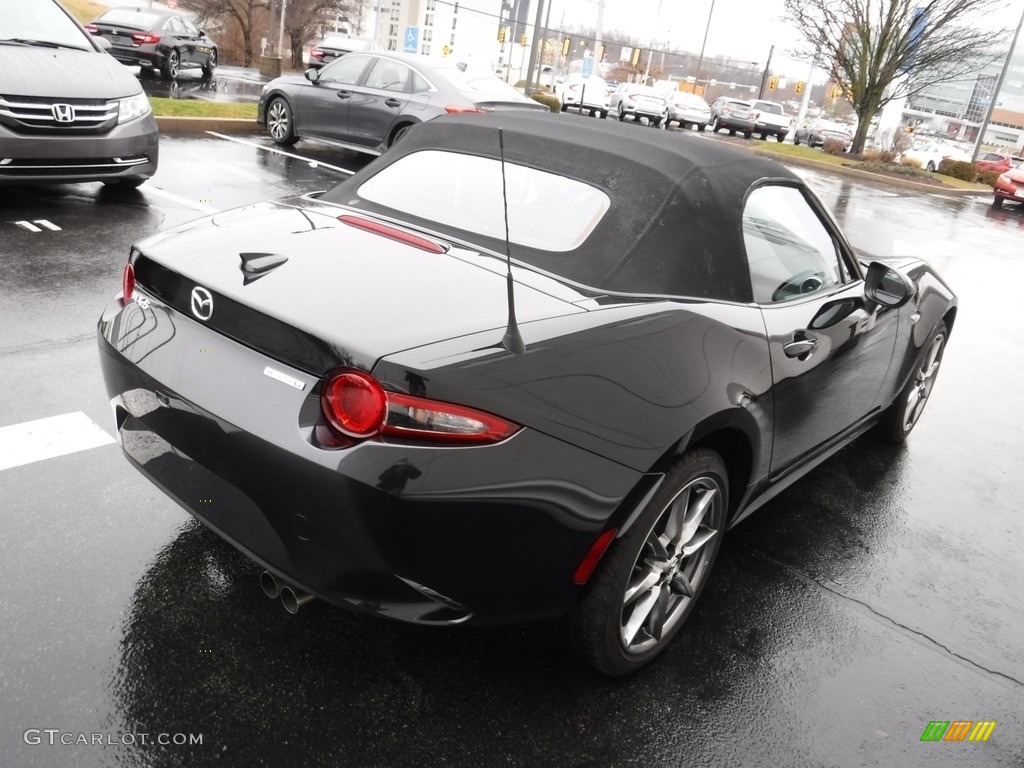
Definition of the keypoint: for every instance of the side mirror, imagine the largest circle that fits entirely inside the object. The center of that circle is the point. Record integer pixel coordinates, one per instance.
(887, 286)
(313, 75)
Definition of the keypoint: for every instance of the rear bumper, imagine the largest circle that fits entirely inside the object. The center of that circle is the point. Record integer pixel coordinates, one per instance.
(129, 150)
(735, 123)
(421, 534)
(772, 130)
(1009, 192)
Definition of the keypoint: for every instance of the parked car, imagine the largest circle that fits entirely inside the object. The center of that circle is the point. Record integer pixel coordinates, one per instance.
(994, 161)
(770, 119)
(591, 95)
(438, 432)
(156, 40)
(929, 156)
(635, 101)
(367, 101)
(68, 111)
(686, 109)
(332, 46)
(820, 131)
(732, 115)
(1010, 186)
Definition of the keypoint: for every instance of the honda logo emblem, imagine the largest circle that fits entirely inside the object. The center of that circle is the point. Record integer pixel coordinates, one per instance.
(63, 113)
(202, 303)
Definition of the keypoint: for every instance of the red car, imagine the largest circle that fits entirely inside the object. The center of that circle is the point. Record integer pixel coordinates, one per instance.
(1010, 186)
(994, 161)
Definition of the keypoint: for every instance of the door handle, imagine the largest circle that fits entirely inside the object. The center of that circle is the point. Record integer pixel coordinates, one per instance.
(800, 347)
(393, 102)
(344, 94)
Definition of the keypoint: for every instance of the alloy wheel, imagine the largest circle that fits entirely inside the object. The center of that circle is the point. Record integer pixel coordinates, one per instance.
(278, 121)
(671, 566)
(924, 380)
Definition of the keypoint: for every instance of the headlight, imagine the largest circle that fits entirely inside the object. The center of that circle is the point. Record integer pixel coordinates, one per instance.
(133, 108)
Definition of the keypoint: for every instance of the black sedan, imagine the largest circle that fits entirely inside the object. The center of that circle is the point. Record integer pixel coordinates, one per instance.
(362, 391)
(368, 100)
(156, 40)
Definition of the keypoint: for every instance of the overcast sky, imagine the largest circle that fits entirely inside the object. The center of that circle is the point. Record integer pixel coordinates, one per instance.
(740, 29)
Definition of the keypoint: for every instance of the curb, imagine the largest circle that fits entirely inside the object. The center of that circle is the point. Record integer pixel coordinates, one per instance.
(856, 173)
(195, 125)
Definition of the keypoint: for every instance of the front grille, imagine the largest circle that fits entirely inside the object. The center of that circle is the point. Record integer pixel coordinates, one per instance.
(35, 116)
(44, 167)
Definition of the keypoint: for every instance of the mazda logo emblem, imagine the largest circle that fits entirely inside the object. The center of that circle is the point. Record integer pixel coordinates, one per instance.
(63, 113)
(202, 303)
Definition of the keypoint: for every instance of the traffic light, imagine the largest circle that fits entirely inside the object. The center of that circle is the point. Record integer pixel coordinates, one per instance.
(522, 39)
(773, 82)
(566, 45)
(502, 34)
(635, 58)
(599, 56)
(799, 87)
(446, 50)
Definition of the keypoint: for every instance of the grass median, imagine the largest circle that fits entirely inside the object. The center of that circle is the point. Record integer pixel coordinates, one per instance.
(198, 108)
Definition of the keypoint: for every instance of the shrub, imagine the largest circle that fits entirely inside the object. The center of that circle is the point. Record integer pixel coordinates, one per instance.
(988, 177)
(891, 145)
(958, 169)
(834, 146)
(911, 162)
(549, 100)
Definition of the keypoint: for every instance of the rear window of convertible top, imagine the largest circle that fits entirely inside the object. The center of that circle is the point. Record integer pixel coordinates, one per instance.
(545, 211)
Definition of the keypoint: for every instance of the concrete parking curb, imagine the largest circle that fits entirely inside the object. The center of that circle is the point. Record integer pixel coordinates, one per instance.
(194, 125)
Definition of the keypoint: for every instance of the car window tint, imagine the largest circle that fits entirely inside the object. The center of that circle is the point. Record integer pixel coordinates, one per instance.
(419, 84)
(45, 22)
(545, 211)
(190, 28)
(790, 252)
(345, 71)
(388, 75)
(175, 26)
(130, 17)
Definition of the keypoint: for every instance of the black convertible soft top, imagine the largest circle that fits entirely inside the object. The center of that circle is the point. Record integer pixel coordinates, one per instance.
(674, 226)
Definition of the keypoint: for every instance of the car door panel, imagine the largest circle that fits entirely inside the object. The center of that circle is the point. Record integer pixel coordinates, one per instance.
(375, 105)
(323, 106)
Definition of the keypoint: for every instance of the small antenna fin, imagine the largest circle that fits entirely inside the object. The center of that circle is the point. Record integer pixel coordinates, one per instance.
(512, 340)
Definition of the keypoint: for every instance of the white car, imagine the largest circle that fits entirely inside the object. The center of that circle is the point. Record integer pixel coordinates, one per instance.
(686, 109)
(636, 101)
(589, 94)
(930, 155)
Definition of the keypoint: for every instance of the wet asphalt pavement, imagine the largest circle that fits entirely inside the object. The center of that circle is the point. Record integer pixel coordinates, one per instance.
(881, 592)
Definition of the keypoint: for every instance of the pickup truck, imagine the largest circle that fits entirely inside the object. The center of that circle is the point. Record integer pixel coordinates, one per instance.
(770, 119)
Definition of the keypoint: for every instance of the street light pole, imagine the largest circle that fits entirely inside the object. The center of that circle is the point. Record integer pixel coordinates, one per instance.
(700, 61)
(995, 94)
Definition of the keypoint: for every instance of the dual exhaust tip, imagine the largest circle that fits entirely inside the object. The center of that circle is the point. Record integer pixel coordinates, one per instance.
(292, 598)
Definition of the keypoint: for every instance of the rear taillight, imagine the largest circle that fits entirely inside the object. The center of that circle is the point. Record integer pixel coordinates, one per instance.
(128, 283)
(141, 38)
(356, 405)
(92, 29)
(454, 109)
(317, 54)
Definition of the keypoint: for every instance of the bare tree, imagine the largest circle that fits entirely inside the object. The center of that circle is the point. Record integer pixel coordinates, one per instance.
(246, 15)
(880, 50)
(305, 19)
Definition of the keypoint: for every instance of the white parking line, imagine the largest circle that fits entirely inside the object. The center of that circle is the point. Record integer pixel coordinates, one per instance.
(175, 198)
(28, 225)
(48, 224)
(315, 163)
(50, 437)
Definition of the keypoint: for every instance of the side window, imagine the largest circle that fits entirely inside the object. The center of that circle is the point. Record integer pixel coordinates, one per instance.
(189, 28)
(790, 253)
(388, 75)
(174, 26)
(344, 71)
(420, 85)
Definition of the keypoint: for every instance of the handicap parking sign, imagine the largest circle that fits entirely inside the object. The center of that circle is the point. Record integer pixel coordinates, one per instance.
(412, 39)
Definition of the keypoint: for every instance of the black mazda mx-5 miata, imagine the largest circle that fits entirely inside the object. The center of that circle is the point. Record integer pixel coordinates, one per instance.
(337, 384)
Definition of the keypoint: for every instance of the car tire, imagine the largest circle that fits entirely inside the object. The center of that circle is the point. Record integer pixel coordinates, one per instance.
(780, 137)
(622, 115)
(399, 134)
(997, 202)
(715, 125)
(747, 134)
(562, 108)
(796, 141)
(732, 131)
(902, 416)
(604, 114)
(702, 127)
(930, 166)
(172, 63)
(280, 123)
(654, 122)
(642, 591)
(211, 65)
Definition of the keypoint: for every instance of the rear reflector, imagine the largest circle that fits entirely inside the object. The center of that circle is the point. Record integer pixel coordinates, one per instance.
(392, 233)
(453, 109)
(597, 550)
